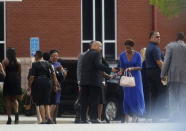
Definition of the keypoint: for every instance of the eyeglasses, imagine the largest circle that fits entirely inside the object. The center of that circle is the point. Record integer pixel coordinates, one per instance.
(157, 36)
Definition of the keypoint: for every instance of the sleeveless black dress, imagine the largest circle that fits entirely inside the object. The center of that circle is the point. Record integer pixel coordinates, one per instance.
(12, 82)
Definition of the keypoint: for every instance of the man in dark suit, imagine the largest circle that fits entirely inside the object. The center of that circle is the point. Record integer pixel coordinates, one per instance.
(91, 81)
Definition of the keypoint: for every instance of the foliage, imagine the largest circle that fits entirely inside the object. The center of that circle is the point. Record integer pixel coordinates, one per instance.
(169, 8)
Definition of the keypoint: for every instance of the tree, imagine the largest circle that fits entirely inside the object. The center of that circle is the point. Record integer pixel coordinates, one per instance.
(169, 8)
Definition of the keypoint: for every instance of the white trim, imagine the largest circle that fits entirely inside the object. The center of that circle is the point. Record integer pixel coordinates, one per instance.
(109, 41)
(5, 29)
(86, 41)
(2, 42)
(10, 0)
(103, 27)
(81, 46)
(94, 20)
(116, 45)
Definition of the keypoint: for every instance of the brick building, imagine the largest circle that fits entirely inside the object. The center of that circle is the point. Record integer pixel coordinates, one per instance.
(69, 25)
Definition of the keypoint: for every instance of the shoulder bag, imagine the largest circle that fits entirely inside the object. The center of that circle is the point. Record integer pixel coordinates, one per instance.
(127, 80)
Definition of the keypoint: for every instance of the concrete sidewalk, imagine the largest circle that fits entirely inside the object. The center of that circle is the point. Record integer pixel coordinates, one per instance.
(66, 124)
(33, 120)
(96, 127)
(65, 119)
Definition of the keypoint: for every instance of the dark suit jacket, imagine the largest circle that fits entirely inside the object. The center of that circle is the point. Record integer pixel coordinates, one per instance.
(91, 67)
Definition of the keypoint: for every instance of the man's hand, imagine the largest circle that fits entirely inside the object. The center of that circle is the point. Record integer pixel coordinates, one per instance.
(114, 70)
(164, 80)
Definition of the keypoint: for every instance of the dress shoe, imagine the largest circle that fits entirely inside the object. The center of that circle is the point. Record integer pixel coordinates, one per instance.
(49, 121)
(9, 121)
(77, 120)
(16, 118)
(95, 121)
(84, 122)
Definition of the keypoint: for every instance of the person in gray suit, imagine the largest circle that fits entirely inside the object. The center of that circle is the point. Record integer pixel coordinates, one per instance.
(174, 68)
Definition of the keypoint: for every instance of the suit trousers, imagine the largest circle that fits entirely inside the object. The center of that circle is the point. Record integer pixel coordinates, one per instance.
(157, 92)
(89, 96)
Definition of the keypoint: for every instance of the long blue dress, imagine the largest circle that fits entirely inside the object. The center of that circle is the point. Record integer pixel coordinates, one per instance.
(133, 102)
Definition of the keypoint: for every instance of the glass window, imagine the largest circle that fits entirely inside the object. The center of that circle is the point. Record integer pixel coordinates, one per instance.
(109, 20)
(85, 46)
(1, 52)
(1, 21)
(87, 20)
(98, 4)
(98, 21)
(109, 51)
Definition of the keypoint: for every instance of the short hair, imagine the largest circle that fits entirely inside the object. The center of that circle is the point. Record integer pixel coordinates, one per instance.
(46, 56)
(152, 33)
(180, 36)
(129, 42)
(39, 54)
(53, 51)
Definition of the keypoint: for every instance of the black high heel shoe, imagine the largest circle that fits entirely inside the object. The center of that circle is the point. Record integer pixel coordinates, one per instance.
(9, 121)
(16, 118)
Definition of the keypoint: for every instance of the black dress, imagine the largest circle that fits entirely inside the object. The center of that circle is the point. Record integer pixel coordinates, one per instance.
(12, 82)
(42, 82)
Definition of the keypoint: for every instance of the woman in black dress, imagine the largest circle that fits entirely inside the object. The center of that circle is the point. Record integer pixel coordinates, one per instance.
(43, 74)
(12, 84)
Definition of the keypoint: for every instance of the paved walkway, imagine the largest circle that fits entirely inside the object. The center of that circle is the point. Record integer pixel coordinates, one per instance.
(66, 124)
(96, 127)
(33, 120)
(66, 119)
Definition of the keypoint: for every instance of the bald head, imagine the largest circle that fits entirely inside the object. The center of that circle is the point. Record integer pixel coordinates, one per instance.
(96, 45)
(180, 36)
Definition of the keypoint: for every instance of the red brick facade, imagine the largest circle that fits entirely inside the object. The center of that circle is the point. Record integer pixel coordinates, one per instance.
(134, 21)
(58, 24)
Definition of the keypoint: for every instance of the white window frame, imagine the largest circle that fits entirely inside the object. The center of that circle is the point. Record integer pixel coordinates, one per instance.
(4, 42)
(103, 28)
(10, 0)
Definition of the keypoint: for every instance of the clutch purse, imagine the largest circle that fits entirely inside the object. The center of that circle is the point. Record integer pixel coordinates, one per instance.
(127, 80)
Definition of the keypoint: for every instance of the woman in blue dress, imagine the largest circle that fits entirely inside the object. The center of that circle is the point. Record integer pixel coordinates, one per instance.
(60, 74)
(133, 103)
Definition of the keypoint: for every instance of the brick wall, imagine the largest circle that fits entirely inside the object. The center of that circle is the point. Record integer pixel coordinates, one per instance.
(56, 22)
(170, 27)
(134, 21)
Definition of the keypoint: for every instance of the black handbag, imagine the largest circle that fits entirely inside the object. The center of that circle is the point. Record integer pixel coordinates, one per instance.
(2, 77)
(60, 76)
(28, 105)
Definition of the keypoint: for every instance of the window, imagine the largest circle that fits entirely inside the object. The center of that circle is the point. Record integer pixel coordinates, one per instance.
(98, 22)
(2, 31)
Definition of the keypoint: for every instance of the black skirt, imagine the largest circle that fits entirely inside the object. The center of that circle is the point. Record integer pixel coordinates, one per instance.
(43, 88)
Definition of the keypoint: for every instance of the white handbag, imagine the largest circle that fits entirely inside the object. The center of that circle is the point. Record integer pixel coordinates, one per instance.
(127, 80)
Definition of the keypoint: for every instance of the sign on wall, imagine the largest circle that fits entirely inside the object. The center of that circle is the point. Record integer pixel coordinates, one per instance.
(34, 45)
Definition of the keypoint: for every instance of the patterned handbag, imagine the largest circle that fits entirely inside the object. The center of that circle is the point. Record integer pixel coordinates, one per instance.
(127, 80)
